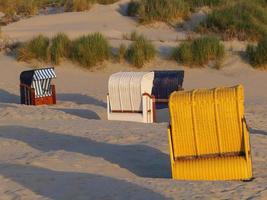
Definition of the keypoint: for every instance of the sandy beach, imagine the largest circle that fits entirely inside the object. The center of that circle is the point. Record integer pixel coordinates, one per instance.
(71, 151)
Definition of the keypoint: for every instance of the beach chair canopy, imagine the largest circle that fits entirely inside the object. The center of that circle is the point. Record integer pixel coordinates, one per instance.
(209, 138)
(166, 82)
(126, 89)
(39, 79)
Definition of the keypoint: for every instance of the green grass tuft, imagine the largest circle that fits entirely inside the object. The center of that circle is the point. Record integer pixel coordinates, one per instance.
(158, 10)
(258, 54)
(200, 52)
(200, 3)
(241, 19)
(31, 7)
(87, 50)
(90, 50)
(104, 2)
(37, 48)
(60, 48)
(78, 5)
(140, 52)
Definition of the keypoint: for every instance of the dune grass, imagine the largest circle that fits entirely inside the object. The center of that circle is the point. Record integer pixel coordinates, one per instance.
(12, 7)
(257, 54)
(90, 50)
(199, 3)
(158, 10)
(200, 52)
(87, 51)
(26, 7)
(78, 5)
(42, 49)
(82, 5)
(140, 51)
(37, 48)
(241, 19)
(166, 10)
(31, 7)
(106, 1)
(60, 48)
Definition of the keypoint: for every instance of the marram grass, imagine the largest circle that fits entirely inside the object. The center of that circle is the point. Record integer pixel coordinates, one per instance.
(90, 50)
(140, 51)
(200, 52)
(257, 54)
(60, 48)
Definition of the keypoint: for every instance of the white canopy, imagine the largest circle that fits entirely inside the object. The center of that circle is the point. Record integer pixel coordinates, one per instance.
(46, 73)
(126, 89)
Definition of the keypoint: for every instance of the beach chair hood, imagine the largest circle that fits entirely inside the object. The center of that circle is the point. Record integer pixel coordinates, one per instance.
(126, 89)
(39, 79)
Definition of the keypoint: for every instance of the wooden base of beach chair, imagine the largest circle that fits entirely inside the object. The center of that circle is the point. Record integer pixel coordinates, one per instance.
(28, 96)
(44, 101)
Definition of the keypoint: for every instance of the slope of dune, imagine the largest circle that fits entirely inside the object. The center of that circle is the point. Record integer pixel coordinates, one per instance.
(71, 151)
(109, 19)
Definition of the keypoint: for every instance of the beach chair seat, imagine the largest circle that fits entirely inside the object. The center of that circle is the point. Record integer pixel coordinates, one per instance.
(36, 87)
(208, 136)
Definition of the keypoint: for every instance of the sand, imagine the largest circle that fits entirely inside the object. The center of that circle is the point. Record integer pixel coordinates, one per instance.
(71, 151)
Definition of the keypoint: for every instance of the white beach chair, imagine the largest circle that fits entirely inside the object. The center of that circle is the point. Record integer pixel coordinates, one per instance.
(129, 97)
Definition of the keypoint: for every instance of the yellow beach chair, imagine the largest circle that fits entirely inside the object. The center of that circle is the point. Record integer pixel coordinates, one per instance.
(208, 136)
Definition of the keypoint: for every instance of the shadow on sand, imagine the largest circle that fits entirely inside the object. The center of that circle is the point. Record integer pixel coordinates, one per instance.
(142, 160)
(80, 99)
(58, 185)
(83, 113)
(258, 132)
(123, 8)
(6, 97)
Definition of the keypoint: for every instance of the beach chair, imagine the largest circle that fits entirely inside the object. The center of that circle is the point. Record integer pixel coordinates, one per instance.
(166, 82)
(130, 97)
(36, 87)
(208, 136)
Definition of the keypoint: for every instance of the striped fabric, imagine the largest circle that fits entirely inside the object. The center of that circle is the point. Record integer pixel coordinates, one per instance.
(42, 82)
(41, 74)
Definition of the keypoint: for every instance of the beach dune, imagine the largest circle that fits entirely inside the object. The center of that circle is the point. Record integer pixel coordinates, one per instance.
(70, 150)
